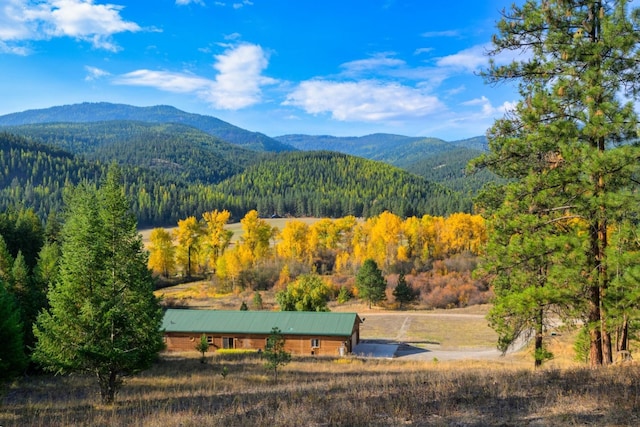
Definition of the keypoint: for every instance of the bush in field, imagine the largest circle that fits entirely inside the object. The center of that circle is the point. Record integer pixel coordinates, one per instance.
(274, 352)
(308, 293)
(202, 347)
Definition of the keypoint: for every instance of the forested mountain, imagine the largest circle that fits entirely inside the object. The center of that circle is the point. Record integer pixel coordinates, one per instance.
(449, 169)
(167, 139)
(431, 158)
(332, 184)
(379, 146)
(168, 148)
(103, 111)
(35, 176)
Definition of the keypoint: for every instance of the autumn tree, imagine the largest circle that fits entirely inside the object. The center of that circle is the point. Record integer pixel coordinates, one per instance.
(294, 241)
(189, 238)
(564, 145)
(162, 252)
(256, 235)
(216, 237)
(370, 283)
(103, 318)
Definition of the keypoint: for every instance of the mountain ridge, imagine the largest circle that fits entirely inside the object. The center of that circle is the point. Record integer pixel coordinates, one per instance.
(105, 111)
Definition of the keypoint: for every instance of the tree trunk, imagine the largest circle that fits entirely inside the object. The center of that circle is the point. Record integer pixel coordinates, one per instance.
(538, 341)
(623, 335)
(595, 338)
(108, 386)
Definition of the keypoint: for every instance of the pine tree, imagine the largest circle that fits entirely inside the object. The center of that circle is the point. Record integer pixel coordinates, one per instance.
(370, 283)
(257, 301)
(12, 356)
(565, 148)
(275, 352)
(103, 317)
(202, 346)
(403, 293)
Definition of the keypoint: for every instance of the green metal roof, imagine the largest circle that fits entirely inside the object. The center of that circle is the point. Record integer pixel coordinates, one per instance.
(259, 322)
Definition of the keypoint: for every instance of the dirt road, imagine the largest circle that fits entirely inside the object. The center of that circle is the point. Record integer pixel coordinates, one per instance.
(424, 335)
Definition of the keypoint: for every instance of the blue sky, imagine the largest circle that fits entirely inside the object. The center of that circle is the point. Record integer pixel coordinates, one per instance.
(336, 67)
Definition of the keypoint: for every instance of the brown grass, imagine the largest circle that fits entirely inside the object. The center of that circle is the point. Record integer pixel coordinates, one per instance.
(180, 391)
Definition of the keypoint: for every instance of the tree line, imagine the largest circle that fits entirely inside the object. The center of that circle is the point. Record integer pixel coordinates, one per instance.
(35, 176)
(342, 245)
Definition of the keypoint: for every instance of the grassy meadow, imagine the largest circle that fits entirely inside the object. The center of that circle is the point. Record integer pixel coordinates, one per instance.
(237, 390)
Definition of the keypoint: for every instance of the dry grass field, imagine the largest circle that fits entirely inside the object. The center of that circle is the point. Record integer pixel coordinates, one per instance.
(237, 390)
(426, 389)
(180, 391)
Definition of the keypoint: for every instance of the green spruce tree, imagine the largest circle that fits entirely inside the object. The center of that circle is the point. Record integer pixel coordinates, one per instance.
(403, 293)
(103, 318)
(275, 352)
(370, 283)
(12, 356)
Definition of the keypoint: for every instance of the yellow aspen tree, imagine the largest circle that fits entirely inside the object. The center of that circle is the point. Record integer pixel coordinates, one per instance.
(217, 237)
(229, 266)
(188, 235)
(162, 252)
(433, 227)
(359, 242)
(386, 235)
(293, 242)
(256, 235)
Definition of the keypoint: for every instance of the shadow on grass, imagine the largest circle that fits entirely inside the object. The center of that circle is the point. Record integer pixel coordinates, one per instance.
(317, 391)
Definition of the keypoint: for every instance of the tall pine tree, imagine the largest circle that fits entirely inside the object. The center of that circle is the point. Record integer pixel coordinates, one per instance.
(103, 318)
(566, 147)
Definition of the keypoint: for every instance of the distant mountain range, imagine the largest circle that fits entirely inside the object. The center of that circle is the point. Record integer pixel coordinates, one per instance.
(103, 111)
(239, 167)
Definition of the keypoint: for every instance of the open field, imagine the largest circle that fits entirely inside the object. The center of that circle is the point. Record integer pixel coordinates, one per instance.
(350, 391)
(179, 391)
(236, 227)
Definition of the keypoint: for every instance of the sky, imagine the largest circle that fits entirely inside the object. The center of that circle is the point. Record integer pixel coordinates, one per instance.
(329, 67)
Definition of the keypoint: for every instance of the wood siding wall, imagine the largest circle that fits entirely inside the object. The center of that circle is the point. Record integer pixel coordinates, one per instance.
(294, 344)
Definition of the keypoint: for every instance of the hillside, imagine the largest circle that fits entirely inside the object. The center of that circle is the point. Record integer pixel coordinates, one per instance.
(103, 111)
(448, 168)
(431, 158)
(323, 183)
(33, 175)
(172, 149)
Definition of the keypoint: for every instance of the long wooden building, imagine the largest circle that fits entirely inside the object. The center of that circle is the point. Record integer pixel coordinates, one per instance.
(305, 333)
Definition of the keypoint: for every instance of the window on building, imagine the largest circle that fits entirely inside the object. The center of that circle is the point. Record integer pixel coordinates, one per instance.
(227, 342)
(315, 343)
(209, 339)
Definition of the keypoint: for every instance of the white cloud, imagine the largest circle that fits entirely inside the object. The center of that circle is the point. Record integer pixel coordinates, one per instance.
(488, 110)
(237, 85)
(470, 59)
(381, 60)
(242, 4)
(367, 100)
(24, 20)
(186, 2)
(94, 73)
(14, 50)
(423, 50)
(448, 33)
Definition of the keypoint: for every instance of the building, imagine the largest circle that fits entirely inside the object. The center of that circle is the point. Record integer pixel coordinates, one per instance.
(305, 333)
